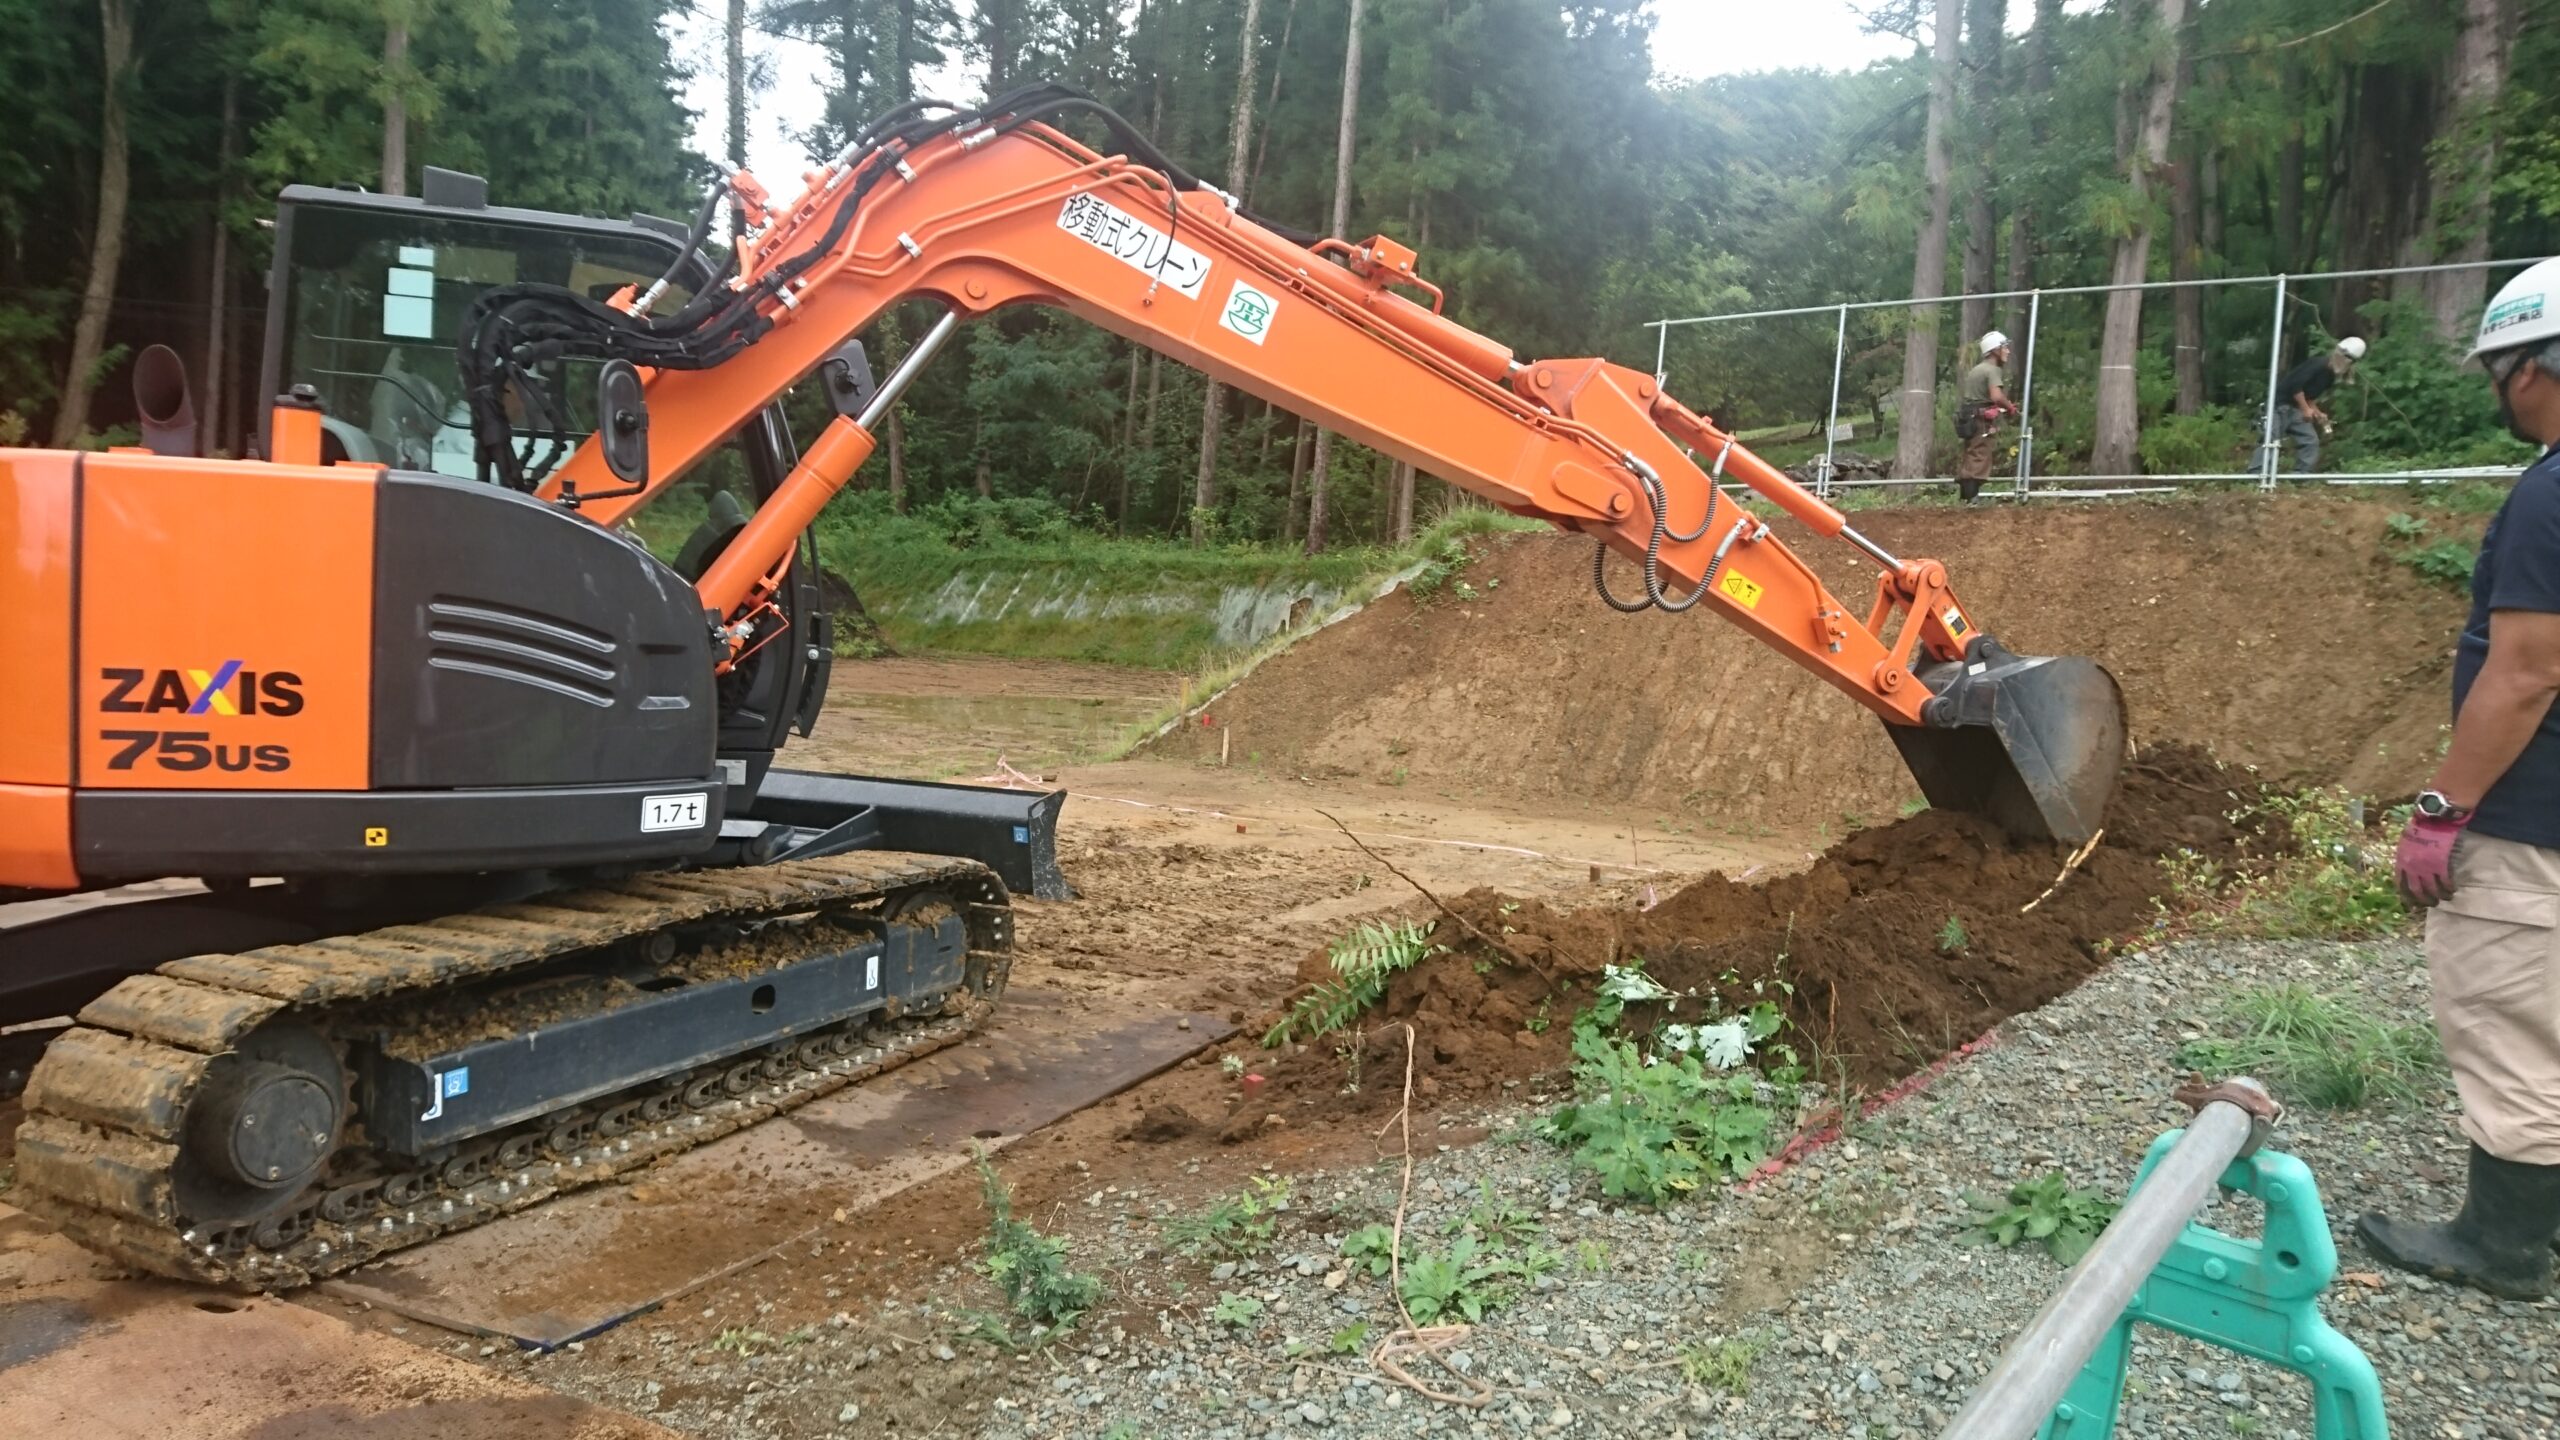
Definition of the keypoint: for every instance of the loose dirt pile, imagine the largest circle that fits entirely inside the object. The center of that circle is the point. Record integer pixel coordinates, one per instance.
(2276, 632)
(1899, 944)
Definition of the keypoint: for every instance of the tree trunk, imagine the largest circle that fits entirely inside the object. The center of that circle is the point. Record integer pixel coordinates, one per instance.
(395, 106)
(1204, 490)
(2118, 422)
(217, 324)
(1985, 20)
(1204, 496)
(2289, 162)
(106, 240)
(1919, 406)
(2466, 147)
(2022, 223)
(1404, 502)
(1344, 145)
(1279, 67)
(1297, 481)
(2186, 262)
(897, 462)
(733, 50)
(2186, 246)
(2386, 198)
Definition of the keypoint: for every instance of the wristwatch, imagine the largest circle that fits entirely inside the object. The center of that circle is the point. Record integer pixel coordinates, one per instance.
(2433, 806)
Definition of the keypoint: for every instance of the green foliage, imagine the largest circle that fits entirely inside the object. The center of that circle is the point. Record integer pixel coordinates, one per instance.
(1029, 1267)
(1951, 936)
(2049, 1211)
(1655, 1128)
(1440, 572)
(1235, 1311)
(2324, 1050)
(1348, 1339)
(2412, 401)
(2323, 873)
(1375, 952)
(1477, 1273)
(1234, 1225)
(2447, 562)
(2216, 439)
(1723, 1365)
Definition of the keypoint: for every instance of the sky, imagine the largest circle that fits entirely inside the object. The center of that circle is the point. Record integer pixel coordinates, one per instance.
(1692, 39)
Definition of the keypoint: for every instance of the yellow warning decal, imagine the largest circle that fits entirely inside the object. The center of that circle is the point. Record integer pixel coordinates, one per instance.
(1955, 622)
(1744, 589)
(377, 836)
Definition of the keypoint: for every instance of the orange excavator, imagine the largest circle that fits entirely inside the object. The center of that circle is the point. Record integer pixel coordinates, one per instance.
(548, 908)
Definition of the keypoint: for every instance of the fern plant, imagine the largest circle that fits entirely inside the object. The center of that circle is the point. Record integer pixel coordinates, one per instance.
(1374, 953)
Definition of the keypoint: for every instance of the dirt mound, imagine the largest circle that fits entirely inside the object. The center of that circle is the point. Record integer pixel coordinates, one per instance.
(1899, 944)
(2276, 632)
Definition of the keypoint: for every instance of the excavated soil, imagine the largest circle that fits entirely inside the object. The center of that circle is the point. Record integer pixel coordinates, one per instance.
(1858, 950)
(2275, 632)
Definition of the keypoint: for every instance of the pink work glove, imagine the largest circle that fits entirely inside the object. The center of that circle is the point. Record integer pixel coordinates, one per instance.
(2424, 864)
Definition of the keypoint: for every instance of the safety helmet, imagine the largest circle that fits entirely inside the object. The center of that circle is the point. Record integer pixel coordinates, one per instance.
(1993, 340)
(2352, 348)
(2525, 312)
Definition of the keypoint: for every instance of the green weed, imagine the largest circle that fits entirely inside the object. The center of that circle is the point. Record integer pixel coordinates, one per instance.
(2447, 562)
(1236, 1312)
(1363, 962)
(1029, 1267)
(1723, 1364)
(1951, 936)
(2322, 1050)
(1656, 1127)
(1232, 1225)
(2326, 876)
(2066, 1221)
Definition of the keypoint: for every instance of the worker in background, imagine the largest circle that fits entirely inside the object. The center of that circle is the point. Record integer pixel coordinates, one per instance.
(1980, 403)
(2299, 416)
(2482, 849)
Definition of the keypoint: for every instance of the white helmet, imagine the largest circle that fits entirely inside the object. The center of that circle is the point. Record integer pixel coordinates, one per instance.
(2352, 348)
(1993, 340)
(2525, 312)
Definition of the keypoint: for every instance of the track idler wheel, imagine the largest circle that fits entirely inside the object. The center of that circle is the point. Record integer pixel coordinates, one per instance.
(260, 1128)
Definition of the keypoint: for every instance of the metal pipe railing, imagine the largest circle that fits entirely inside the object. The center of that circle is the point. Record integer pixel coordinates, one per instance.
(2037, 1369)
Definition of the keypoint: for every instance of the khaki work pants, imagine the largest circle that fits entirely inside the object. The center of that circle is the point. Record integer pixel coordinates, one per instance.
(1973, 464)
(2493, 968)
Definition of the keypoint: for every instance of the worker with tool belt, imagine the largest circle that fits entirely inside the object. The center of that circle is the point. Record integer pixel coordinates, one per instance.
(2299, 417)
(1980, 403)
(2482, 848)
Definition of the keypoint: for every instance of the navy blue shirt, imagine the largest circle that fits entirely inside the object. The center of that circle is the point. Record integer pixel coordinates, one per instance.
(2519, 569)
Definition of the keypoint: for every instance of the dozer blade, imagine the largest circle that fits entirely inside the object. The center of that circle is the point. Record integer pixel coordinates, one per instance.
(2032, 742)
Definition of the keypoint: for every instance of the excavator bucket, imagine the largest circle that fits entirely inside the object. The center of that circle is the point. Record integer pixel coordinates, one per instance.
(2032, 742)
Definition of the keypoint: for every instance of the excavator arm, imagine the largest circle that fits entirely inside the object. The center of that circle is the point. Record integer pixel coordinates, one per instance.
(998, 207)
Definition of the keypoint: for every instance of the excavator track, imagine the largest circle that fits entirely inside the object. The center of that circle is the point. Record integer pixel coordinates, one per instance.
(105, 1149)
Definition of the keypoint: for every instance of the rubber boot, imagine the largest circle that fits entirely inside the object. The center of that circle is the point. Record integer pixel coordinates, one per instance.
(2501, 1242)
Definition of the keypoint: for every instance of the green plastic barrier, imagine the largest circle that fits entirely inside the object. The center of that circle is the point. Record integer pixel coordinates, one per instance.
(2259, 1298)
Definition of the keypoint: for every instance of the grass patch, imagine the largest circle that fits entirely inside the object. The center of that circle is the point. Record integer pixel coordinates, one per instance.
(2317, 871)
(1725, 1364)
(2323, 1050)
(1029, 1267)
(2047, 1210)
(1039, 585)
(1474, 1275)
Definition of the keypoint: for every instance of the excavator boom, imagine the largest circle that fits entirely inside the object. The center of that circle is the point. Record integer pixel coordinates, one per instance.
(998, 207)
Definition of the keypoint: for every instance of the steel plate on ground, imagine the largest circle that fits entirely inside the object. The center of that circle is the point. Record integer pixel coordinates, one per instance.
(86, 1351)
(590, 1260)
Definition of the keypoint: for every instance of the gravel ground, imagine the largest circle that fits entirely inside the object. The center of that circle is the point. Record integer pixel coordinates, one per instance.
(1839, 1299)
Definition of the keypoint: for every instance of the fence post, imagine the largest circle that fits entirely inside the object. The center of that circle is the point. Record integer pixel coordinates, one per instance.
(1662, 354)
(1831, 417)
(2275, 371)
(2027, 398)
